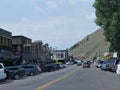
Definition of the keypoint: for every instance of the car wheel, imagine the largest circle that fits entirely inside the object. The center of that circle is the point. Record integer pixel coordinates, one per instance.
(31, 73)
(17, 76)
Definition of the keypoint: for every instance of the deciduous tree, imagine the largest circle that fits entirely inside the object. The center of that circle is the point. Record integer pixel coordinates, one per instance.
(108, 18)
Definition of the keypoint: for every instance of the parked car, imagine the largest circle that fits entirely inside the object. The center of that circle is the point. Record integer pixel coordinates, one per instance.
(15, 72)
(55, 66)
(98, 63)
(104, 65)
(50, 67)
(3, 74)
(69, 63)
(112, 64)
(30, 69)
(46, 68)
(86, 65)
(62, 66)
(79, 63)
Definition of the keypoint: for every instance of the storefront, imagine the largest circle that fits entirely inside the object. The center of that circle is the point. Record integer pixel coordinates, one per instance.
(22, 51)
(5, 45)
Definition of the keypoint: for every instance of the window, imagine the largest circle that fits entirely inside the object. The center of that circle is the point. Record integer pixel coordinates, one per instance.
(62, 55)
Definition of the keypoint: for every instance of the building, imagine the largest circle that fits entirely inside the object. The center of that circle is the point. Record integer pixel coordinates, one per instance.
(5, 44)
(22, 50)
(37, 50)
(40, 52)
(60, 55)
(46, 52)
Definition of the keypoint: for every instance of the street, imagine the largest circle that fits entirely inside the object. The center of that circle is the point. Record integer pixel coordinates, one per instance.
(71, 78)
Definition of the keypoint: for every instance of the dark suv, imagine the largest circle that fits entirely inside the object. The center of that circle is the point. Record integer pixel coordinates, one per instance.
(15, 72)
(86, 65)
(50, 67)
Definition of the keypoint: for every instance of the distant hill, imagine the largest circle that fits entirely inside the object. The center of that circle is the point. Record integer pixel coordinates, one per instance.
(92, 45)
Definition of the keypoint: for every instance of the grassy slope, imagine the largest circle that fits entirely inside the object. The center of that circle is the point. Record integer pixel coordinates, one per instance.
(92, 45)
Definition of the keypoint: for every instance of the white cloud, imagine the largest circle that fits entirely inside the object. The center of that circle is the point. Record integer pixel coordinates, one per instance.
(51, 4)
(59, 31)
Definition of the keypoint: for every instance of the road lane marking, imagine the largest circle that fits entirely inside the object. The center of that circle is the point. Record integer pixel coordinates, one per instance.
(56, 80)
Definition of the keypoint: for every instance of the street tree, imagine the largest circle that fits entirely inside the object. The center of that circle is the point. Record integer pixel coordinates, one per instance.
(108, 18)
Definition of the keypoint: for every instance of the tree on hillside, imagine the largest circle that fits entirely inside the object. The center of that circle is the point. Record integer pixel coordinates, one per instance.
(108, 18)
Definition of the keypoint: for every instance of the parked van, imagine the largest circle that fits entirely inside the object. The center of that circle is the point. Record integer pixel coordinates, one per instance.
(2, 72)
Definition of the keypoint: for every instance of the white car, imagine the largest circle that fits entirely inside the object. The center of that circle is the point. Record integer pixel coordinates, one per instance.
(3, 75)
(118, 69)
(69, 63)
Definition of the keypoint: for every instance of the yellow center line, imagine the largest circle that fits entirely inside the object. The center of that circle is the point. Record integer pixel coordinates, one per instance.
(56, 80)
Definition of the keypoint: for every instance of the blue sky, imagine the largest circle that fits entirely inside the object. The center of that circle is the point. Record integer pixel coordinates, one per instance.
(61, 23)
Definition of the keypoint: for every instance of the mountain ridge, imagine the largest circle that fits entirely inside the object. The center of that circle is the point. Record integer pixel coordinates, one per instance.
(92, 45)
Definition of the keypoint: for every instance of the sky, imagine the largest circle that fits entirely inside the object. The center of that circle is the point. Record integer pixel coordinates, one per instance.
(60, 23)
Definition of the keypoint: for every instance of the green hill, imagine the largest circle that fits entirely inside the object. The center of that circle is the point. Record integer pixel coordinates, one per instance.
(92, 45)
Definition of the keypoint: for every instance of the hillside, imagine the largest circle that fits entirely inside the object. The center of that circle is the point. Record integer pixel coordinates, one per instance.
(92, 45)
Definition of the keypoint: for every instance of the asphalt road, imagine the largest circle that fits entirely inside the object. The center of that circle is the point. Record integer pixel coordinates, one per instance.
(71, 78)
